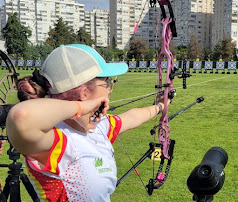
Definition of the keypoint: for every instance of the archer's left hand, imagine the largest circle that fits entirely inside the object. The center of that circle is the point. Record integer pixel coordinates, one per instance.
(160, 97)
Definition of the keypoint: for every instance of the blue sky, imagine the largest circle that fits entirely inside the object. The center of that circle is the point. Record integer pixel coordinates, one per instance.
(89, 4)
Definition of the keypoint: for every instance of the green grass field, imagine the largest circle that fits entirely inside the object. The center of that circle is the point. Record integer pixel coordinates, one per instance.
(211, 123)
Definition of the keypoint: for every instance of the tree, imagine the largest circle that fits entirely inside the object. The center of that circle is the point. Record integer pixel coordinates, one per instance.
(114, 43)
(225, 48)
(38, 51)
(16, 36)
(60, 34)
(43, 50)
(119, 54)
(84, 38)
(138, 48)
(172, 49)
(194, 48)
(181, 52)
(105, 53)
(207, 53)
(151, 54)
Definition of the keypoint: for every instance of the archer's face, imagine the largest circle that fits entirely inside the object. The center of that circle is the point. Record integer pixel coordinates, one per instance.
(103, 87)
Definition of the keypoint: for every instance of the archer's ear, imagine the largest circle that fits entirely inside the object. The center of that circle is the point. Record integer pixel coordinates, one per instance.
(84, 93)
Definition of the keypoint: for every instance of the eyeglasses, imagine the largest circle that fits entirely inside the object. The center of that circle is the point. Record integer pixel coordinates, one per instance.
(109, 83)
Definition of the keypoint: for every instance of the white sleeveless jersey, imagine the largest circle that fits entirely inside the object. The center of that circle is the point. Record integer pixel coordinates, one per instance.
(80, 167)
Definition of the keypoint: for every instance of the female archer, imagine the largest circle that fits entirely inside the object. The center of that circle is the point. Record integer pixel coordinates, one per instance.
(67, 146)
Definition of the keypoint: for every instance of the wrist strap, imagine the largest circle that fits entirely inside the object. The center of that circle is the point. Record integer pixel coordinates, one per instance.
(79, 109)
(160, 108)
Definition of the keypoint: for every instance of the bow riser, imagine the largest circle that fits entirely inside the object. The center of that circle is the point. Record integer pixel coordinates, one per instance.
(166, 37)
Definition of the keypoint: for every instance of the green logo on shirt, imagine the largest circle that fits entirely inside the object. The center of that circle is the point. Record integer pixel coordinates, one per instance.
(98, 163)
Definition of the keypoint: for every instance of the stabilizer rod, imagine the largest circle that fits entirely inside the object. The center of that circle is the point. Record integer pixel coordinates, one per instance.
(198, 100)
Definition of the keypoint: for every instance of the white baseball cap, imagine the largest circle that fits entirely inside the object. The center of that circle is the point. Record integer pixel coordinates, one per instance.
(70, 66)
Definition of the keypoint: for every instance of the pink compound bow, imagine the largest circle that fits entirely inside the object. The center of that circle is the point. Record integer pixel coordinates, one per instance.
(165, 144)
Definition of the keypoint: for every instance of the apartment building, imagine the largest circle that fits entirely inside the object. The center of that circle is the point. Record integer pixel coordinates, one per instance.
(225, 20)
(193, 17)
(97, 25)
(125, 14)
(39, 15)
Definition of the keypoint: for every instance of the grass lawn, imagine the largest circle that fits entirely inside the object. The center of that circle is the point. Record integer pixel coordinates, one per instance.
(210, 123)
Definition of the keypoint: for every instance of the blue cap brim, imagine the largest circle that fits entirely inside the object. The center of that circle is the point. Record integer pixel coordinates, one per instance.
(113, 69)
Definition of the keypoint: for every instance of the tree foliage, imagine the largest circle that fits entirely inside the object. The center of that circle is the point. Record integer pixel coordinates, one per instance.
(38, 51)
(105, 53)
(84, 38)
(60, 34)
(138, 48)
(181, 52)
(114, 43)
(151, 54)
(206, 53)
(224, 49)
(16, 36)
(194, 48)
(109, 54)
(172, 48)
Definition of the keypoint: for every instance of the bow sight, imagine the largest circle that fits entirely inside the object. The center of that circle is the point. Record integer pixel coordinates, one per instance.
(181, 74)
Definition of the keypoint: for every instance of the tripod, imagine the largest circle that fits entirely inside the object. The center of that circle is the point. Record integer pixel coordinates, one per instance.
(15, 176)
(202, 198)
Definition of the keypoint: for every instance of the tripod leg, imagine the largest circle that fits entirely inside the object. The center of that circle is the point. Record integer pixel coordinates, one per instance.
(6, 189)
(30, 189)
(15, 189)
(2, 196)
